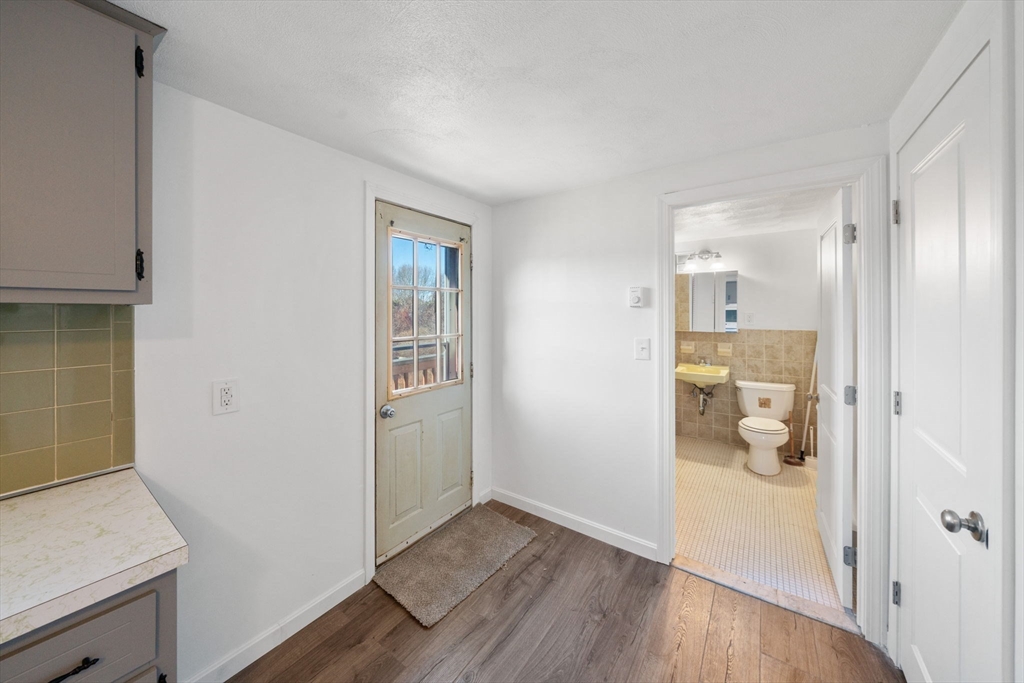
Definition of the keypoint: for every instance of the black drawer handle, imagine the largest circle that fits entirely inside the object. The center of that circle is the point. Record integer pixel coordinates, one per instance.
(86, 663)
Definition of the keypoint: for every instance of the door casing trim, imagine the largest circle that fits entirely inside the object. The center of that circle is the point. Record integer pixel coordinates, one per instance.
(373, 192)
(871, 194)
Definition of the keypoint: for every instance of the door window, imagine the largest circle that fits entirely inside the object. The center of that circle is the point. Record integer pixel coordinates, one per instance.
(425, 336)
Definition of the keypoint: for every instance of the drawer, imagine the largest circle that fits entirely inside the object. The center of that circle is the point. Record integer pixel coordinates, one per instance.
(123, 639)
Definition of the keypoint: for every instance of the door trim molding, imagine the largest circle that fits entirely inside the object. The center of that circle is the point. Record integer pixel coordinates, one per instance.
(978, 24)
(373, 192)
(871, 195)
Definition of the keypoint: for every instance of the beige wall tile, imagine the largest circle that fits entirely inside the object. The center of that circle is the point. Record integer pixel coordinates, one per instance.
(26, 431)
(83, 317)
(124, 347)
(91, 342)
(26, 390)
(123, 314)
(124, 394)
(26, 469)
(774, 351)
(753, 336)
(83, 347)
(793, 337)
(83, 385)
(26, 351)
(26, 317)
(84, 421)
(83, 457)
(773, 337)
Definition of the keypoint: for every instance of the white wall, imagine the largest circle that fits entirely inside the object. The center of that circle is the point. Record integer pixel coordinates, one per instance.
(258, 261)
(575, 415)
(778, 277)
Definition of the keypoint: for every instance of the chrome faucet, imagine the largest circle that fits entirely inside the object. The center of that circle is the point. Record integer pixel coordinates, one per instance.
(704, 361)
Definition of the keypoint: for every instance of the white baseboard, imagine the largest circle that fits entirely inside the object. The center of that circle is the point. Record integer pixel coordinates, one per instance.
(608, 535)
(238, 659)
(484, 496)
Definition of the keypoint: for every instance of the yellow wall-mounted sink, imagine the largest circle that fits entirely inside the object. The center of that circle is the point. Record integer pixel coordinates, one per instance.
(702, 375)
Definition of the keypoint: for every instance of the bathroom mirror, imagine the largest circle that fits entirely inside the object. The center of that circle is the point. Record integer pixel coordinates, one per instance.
(713, 301)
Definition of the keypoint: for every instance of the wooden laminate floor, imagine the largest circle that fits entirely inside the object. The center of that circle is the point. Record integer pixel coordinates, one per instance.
(570, 608)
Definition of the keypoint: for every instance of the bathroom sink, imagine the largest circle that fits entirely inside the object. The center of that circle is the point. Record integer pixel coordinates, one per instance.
(702, 375)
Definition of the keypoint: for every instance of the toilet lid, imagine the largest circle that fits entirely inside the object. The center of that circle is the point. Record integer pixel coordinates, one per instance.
(763, 424)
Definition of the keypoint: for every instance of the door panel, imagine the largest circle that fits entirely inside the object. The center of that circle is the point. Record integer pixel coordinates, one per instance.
(451, 448)
(835, 371)
(407, 457)
(423, 343)
(952, 430)
(935, 548)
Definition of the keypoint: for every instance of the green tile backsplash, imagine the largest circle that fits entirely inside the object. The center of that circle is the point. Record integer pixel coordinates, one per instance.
(67, 392)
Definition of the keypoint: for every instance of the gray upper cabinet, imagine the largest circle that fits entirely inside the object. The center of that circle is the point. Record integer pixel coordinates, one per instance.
(76, 98)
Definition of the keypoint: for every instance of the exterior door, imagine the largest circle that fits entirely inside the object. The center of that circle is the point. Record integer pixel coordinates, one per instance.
(835, 373)
(424, 459)
(953, 429)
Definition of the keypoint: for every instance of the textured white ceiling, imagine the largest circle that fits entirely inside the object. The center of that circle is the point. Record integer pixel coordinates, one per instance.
(504, 100)
(781, 212)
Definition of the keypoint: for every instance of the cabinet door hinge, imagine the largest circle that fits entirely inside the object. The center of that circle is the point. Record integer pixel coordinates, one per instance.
(850, 233)
(896, 212)
(471, 370)
(140, 264)
(897, 403)
(897, 593)
(849, 556)
(140, 61)
(850, 395)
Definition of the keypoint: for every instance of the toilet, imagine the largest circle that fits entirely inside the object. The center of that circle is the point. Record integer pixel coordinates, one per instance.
(765, 404)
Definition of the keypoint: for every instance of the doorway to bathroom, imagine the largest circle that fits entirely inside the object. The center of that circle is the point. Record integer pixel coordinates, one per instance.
(764, 348)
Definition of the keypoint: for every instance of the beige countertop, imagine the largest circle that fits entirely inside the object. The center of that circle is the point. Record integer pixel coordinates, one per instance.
(68, 547)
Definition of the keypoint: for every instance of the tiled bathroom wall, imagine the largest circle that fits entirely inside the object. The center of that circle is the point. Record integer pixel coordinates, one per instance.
(67, 392)
(784, 356)
(682, 302)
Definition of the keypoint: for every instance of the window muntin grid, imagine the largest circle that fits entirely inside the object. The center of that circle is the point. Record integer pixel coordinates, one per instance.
(425, 325)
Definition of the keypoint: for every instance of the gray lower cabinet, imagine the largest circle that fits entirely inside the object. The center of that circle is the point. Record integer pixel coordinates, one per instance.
(131, 636)
(76, 118)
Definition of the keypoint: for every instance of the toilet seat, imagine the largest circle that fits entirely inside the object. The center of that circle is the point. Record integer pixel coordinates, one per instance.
(763, 425)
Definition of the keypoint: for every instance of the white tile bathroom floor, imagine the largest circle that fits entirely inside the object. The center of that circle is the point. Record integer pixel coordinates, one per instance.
(759, 528)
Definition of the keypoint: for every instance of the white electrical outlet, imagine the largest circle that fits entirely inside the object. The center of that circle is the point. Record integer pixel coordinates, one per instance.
(225, 396)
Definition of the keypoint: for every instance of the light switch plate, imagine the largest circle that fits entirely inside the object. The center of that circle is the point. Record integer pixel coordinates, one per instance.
(642, 348)
(225, 396)
(636, 297)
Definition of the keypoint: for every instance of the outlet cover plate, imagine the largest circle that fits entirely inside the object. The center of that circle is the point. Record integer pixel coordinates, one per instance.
(225, 396)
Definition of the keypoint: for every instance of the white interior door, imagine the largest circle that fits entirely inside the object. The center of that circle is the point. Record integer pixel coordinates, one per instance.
(835, 373)
(956, 593)
(423, 449)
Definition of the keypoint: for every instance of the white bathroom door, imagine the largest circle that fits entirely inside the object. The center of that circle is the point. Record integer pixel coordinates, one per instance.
(835, 410)
(424, 470)
(955, 428)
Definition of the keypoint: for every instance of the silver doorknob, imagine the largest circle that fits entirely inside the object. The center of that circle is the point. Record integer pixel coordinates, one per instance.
(387, 411)
(973, 523)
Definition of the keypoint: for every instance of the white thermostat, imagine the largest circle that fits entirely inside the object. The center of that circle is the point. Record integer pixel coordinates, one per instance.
(636, 297)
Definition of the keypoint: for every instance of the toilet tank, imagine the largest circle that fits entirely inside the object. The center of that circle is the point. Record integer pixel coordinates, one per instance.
(765, 399)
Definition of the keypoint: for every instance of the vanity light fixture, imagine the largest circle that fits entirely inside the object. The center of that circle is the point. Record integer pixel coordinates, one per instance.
(689, 261)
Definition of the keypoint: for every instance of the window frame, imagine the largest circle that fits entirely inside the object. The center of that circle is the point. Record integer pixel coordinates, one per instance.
(416, 339)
